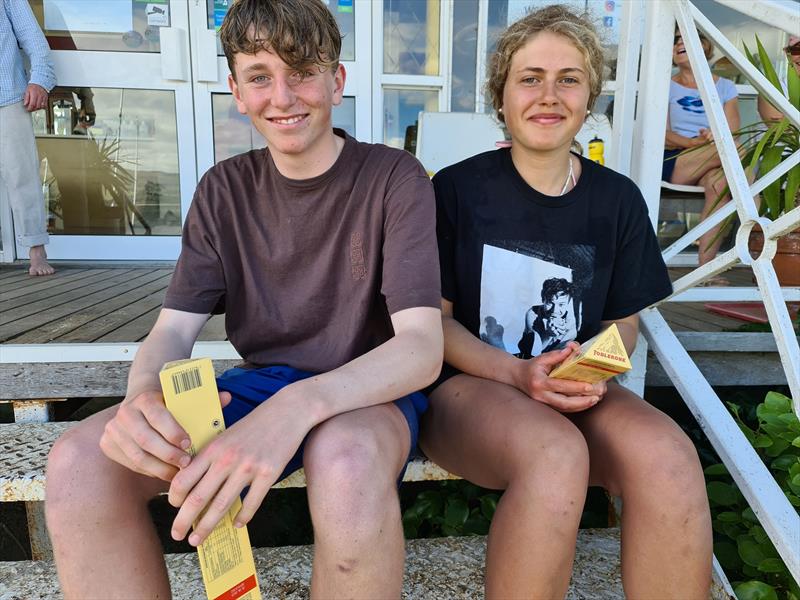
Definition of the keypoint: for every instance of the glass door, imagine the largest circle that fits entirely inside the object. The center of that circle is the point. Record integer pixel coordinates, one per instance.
(116, 142)
(221, 130)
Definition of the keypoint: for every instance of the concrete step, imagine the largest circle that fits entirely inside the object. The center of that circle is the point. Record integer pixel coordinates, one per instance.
(440, 569)
(23, 457)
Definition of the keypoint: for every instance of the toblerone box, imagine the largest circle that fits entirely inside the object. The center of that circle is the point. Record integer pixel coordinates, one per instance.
(226, 558)
(601, 357)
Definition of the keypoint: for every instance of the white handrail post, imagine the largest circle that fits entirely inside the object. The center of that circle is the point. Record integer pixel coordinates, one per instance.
(651, 117)
(630, 43)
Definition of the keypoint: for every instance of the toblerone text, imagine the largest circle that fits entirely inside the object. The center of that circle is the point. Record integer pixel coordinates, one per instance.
(601, 357)
(226, 558)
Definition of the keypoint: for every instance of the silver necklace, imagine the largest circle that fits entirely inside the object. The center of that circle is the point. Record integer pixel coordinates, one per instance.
(570, 175)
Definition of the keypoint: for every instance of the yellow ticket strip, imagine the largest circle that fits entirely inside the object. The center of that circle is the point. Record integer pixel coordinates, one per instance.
(601, 357)
(226, 558)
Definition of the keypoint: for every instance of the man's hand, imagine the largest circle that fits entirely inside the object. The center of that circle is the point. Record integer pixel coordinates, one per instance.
(146, 438)
(253, 452)
(565, 396)
(35, 97)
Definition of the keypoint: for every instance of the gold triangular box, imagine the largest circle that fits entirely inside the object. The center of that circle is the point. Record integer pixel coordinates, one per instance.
(601, 357)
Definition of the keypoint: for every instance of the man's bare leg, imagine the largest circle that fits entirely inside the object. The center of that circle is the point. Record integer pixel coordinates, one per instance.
(352, 463)
(39, 264)
(640, 454)
(103, 538)
(495, 436)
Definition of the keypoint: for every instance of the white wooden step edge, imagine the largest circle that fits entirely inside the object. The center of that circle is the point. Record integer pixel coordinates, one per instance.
(23, 457)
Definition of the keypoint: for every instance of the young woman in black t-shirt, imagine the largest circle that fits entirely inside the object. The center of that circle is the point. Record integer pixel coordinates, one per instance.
(541, 249)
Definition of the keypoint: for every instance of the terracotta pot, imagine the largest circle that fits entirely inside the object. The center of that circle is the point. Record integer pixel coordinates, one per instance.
(787, 258)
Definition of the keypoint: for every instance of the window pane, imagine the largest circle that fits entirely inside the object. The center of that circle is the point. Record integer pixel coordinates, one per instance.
(234, 134)
(102, 25)
(465, 46)
(109, 161)
(411, 37)
(400, 114)
(343, 11)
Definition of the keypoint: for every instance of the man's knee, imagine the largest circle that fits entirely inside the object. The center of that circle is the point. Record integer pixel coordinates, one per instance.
(351, 473)
(75, 448)
(70, 459)
(346, 456)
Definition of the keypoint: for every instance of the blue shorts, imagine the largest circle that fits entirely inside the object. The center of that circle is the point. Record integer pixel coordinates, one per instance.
(250, 387)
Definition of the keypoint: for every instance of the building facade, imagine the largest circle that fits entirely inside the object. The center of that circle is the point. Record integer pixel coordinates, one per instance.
(143, 107)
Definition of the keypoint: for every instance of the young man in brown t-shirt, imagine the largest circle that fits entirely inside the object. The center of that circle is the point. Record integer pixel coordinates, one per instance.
(321, 252)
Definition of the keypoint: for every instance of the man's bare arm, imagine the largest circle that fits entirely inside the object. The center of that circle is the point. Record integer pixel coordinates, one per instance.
(407, 362)
(143, 435)
(254, 451)
(171, 338)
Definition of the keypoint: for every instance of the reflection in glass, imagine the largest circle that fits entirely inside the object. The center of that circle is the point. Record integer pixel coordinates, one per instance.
(343, 11)
(411, 37)
(234, 134)
(122, 26)
(110, 168)
(401, 109)
(465, 47)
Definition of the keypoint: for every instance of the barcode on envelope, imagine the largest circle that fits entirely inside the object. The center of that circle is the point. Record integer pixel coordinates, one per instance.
(183, 381)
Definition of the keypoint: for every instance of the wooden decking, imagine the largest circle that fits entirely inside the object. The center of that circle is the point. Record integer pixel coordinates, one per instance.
(97, 303)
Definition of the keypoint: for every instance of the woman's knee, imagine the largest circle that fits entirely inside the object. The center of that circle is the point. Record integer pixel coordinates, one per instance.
(667, 463)
(554, 466)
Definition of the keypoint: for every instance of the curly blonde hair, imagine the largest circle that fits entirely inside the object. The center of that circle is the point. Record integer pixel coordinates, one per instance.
(558, 19)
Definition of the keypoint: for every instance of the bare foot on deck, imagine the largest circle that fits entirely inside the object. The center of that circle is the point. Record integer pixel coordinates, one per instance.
(39, 264)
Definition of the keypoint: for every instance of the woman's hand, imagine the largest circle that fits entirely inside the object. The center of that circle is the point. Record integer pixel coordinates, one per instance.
(533, 378)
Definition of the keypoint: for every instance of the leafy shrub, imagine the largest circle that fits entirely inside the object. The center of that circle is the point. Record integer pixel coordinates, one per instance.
(455, 508)
(740, 543)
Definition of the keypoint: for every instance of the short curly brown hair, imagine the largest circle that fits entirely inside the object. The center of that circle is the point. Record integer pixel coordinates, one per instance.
(558, 19)
(301, 32)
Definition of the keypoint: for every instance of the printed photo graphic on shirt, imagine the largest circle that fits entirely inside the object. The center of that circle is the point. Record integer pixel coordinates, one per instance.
(531, 296)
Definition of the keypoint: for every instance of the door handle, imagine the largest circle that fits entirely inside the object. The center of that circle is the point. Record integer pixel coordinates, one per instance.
(174, 60)
(207, 56)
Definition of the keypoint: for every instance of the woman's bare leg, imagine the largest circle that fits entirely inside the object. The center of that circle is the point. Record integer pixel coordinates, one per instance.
(640, 454)
(496, 437)
(704, 168)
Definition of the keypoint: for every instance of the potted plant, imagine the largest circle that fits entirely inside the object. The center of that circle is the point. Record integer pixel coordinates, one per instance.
(764, 150)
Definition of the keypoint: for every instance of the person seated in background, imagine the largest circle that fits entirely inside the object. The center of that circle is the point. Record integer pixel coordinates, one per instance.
(765, 110)
(688, 127)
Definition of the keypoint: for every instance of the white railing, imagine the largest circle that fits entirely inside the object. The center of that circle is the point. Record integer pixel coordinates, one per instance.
(778, 517)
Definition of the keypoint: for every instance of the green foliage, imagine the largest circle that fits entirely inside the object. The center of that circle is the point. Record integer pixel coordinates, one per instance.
(740, 543)
(455, 508)
(778, 142)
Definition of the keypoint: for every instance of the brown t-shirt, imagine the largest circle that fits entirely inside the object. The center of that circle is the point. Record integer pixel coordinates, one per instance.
(308, 271)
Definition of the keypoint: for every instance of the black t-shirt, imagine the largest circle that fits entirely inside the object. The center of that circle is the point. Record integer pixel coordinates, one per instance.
(528, 272)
